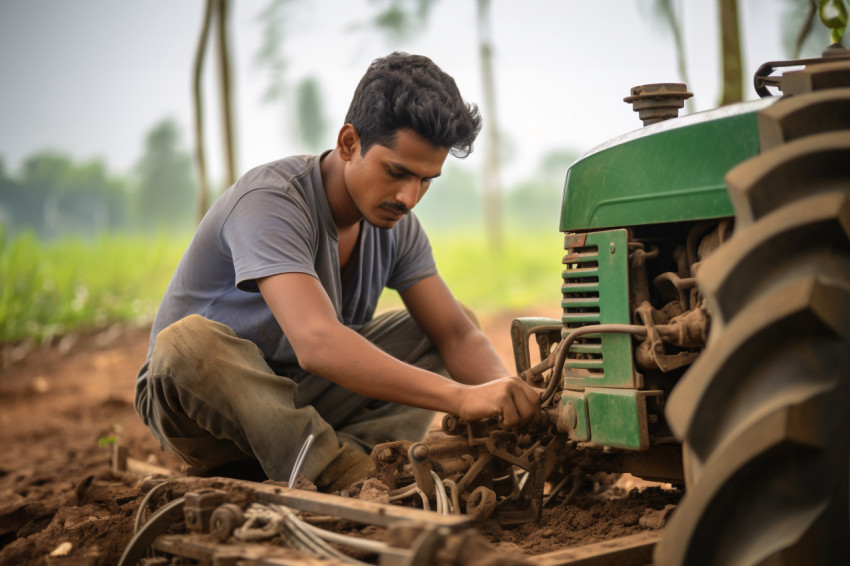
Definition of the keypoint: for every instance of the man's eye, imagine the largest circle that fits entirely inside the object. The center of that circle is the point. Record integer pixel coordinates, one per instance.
(396, 174)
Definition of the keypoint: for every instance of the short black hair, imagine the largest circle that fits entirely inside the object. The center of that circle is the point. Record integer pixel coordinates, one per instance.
(403, 91)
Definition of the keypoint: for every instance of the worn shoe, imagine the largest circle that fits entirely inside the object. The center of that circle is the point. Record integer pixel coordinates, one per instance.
(349, 467)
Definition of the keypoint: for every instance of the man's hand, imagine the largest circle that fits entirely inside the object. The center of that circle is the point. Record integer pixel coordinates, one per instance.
(511, 400)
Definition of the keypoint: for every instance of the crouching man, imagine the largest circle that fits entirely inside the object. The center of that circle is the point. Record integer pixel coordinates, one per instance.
(267, 332)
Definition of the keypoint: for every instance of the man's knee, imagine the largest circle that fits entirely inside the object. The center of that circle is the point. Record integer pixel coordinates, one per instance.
(182, 349)
(189, 335)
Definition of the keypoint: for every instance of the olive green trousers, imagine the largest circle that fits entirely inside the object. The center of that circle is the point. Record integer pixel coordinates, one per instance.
(210, 397)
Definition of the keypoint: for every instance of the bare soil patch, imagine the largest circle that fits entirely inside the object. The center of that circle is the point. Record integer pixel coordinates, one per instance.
(60, 405)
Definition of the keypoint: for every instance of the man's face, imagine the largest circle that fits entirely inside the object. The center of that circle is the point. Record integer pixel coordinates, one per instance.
(385, 183)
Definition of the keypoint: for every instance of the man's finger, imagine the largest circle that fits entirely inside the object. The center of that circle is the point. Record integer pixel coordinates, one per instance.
(510, 418)
(527, 404)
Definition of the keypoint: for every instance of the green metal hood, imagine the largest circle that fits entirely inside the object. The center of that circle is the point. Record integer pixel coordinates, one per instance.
(667, 172)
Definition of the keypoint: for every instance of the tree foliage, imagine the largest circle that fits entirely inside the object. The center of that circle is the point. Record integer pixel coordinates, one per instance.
(304, 102)
(401, 19)
(802, 37)
(166, 190)
(52, 195)
(310, 121)
(833, 14)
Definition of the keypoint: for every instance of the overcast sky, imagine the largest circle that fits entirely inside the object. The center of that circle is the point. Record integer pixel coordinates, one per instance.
(91, 77)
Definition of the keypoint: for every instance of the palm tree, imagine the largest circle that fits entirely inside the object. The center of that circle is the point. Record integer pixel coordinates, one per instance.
(218, 10)
(665, 11)
(730, 46)
(492, 180)
(730, 37)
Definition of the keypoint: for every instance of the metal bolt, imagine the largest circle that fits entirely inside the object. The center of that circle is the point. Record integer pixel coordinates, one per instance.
(612, 247)
(420, 452)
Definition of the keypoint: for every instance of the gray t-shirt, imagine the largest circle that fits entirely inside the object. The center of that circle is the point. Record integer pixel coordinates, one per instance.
(276, 219)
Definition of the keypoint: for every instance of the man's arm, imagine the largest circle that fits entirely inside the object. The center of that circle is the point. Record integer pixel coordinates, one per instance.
(466, 351)
(329, 349)
(468, 354)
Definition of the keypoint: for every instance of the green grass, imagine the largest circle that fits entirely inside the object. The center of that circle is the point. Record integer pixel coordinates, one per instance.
(50, 289)
(526, 273)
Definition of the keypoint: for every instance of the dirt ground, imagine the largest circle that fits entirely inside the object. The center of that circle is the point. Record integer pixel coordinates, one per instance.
(61, 502)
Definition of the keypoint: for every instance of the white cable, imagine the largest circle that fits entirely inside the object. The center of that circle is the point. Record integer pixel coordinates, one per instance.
(299, 460)
(425, 505)
(443, 507)
(410, 491)
(455, 497)
(144, 504)
(373, 546)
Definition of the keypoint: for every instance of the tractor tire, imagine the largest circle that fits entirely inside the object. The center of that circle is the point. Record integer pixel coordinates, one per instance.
(764, 412)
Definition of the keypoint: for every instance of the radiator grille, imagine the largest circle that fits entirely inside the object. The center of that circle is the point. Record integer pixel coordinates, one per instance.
(580, 304)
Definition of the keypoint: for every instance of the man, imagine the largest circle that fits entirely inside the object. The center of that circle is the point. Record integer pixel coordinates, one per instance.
(266, 333)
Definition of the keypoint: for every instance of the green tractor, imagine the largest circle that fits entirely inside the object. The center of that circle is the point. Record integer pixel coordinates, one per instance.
(705, 335)
(704, 341)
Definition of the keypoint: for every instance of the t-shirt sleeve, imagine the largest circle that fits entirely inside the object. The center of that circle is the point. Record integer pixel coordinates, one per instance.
(268, 232)
(414, 258)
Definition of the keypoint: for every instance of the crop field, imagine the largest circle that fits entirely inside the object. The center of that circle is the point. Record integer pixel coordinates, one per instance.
(51, 288)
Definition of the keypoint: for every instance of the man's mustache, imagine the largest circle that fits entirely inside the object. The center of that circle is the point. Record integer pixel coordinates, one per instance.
(396, 206)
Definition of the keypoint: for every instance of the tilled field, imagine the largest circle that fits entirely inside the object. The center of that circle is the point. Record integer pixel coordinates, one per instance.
(62, 502)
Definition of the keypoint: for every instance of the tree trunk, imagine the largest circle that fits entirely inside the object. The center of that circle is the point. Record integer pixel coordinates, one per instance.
(200, 153)
(225, 85)
(733, 86)
(666, 7)
(491, 180)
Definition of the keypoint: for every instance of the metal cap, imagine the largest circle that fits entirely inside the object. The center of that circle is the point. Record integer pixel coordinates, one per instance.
(658, 101)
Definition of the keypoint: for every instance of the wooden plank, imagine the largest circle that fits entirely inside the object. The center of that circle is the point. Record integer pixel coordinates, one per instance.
(632, 550)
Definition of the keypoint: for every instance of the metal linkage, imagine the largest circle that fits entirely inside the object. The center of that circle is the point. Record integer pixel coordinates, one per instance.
(273, 526)
(471, 469)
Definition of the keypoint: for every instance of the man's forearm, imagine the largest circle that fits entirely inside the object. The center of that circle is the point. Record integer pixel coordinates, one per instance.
(473, 360)
(348, 359)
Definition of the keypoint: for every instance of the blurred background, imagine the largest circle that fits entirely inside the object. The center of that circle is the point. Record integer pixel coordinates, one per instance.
(120, 123)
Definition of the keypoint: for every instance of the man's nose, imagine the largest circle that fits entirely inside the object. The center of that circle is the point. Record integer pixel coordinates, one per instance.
(408, 194)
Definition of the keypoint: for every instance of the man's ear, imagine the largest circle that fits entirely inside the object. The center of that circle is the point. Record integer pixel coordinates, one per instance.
(348, 142)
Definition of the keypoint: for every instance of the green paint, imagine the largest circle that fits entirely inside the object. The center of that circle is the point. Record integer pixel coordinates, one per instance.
(670, 175)
(618, 418)
(596, 291)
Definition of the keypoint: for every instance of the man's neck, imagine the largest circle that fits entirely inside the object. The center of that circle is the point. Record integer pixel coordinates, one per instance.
(343, 210)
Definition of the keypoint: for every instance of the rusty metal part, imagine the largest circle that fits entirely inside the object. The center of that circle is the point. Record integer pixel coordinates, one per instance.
(659, 101)
(682, 286)
(473, 457)
(420, 461)
(209, 528)
(481, 503)
(225, 519)
(546, 333)
(410, 544)
(142, 540)
(687, 330)
(199, 508)
(762, 78)
(413, 537)
(559, 356)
